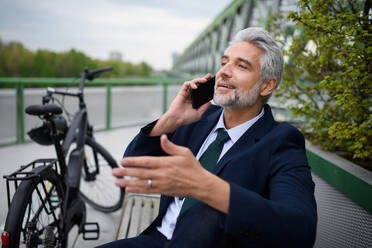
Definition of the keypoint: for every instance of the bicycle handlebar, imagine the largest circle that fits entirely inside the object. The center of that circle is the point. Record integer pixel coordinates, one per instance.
(90, 75)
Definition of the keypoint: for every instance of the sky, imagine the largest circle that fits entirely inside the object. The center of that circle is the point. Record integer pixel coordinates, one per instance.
(141, 30)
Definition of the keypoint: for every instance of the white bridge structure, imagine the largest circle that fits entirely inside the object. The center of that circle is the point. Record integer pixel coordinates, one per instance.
(204, 53)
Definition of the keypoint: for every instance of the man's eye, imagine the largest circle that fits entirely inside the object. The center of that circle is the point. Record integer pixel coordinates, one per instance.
(223, 63)
(243, 66)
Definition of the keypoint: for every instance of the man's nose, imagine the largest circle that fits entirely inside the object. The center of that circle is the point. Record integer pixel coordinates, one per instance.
(225, 71)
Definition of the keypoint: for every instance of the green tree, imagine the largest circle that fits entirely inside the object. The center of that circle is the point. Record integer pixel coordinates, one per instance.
(328, 73)
(15, 60)
(145, 68)
(18, 61)
(72, 63)
(44, 64)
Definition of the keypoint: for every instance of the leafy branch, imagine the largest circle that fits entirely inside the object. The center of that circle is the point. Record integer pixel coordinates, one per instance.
(331, 82)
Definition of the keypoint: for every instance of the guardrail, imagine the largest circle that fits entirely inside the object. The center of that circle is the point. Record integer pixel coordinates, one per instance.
(343, 193)
(19, 84)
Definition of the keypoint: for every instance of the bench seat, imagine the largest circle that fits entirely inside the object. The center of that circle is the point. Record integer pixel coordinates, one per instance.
(137, 213)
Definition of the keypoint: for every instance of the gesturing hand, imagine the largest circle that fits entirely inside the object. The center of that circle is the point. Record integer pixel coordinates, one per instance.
(177, 175)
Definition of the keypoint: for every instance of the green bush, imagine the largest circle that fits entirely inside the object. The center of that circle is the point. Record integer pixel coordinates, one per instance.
(328, 74)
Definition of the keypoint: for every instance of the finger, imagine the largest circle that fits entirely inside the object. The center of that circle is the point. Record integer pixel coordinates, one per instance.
(195, 81)
(193, 85)
(122, 172)
(140, 173)
(141, 161)
(207, 76)
(118, 172)
(190, 84)
(185, 87)
(169, 147)
(201, 80)
(137, 190)
(136, 186)
(131, 183)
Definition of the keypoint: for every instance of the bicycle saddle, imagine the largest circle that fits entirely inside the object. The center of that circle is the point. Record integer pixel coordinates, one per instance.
(48, 109)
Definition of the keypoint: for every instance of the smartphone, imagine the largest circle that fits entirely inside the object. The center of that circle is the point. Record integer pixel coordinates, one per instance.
(203, 94)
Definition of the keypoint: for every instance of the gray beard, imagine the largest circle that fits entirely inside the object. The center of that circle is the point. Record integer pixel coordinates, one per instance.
(239, 98)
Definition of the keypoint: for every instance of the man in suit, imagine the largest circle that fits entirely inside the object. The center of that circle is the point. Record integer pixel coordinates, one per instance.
(258, 192)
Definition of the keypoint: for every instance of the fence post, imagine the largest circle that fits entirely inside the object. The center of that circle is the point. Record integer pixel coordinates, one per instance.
(20, 114)
(108, 106)
(165, 97)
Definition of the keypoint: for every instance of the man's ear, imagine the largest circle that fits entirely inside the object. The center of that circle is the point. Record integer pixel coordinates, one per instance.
(268, 87)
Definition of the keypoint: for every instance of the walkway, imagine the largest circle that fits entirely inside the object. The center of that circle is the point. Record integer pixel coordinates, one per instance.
(114, 141)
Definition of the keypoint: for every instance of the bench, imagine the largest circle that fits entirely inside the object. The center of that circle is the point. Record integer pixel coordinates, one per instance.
(137, 213)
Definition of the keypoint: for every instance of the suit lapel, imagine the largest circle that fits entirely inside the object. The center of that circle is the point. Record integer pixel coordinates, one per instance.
(248, 139)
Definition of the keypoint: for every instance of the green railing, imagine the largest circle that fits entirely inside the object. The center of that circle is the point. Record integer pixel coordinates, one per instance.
(352, 185)
(20, 83)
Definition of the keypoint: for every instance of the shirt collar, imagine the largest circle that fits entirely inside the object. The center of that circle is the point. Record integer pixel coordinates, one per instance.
(236, 132)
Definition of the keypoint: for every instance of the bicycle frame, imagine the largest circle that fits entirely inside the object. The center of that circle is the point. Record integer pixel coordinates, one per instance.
(77, 130)
(73, 208)
(76, 133)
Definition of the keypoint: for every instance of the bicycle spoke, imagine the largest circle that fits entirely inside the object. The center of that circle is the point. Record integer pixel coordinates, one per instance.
(38, 214)
(48, 194)
(41, 207)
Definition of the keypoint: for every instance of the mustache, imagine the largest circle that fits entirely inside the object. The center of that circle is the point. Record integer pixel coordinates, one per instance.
(227, 80)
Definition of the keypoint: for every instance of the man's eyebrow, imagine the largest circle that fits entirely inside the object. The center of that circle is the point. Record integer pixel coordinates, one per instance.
(245, 61)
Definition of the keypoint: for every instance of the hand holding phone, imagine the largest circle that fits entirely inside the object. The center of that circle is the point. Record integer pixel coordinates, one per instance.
(203, 94)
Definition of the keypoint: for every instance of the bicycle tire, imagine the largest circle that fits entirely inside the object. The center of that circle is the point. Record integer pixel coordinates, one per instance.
(98, 189)
(28, 222)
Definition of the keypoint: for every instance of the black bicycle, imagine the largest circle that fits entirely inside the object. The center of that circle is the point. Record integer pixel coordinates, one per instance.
(50, 193)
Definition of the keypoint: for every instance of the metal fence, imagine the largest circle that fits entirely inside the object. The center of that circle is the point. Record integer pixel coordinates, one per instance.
(111, 103)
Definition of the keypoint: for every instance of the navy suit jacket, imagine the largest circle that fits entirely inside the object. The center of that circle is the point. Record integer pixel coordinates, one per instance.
(271, 190)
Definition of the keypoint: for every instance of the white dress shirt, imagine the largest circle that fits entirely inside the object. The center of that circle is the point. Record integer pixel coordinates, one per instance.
(170, 218)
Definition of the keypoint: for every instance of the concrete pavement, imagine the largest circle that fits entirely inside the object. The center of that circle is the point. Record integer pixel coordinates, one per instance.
(115, 141)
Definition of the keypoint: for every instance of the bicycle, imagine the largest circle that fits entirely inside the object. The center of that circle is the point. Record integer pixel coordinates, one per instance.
(50, 193)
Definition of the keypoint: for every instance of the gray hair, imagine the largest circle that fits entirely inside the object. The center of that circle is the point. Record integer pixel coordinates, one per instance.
(271, 62)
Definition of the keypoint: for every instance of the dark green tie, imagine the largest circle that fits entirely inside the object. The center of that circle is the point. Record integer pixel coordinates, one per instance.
(209, 160)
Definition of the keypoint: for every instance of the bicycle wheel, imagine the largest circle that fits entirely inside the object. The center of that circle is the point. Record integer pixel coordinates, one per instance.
(35, 212)
(97, 186)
